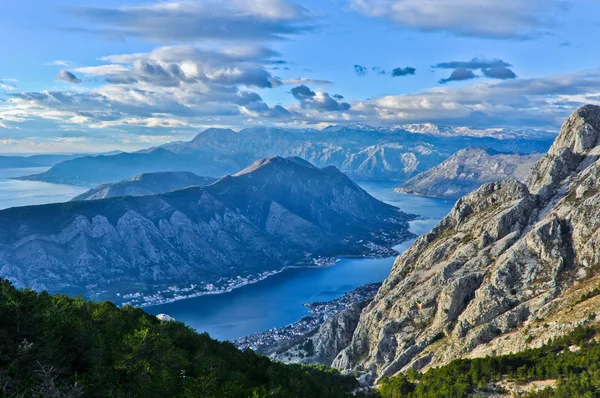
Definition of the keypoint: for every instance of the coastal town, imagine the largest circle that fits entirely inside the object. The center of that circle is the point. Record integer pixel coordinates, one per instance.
(319, 312)
(223, 285)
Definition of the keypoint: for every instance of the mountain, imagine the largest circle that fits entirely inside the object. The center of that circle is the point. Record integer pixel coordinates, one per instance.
(146, 184)
(12, 162)
(510, 267)
(362, 152)
(148, 249)
(90, 170)
(465, 131)
(467, 170)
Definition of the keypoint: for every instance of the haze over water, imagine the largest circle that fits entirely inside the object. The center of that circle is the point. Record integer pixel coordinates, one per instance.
(14, 193)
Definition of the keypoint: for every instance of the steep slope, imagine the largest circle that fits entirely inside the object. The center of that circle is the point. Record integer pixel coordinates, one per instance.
(146, 184)
(277, 213)
(467, 170)
(509, 267)
(358, 150)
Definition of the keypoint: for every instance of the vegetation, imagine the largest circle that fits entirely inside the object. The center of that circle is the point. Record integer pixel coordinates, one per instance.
(57, 346)
(586, 296)
(577, 372)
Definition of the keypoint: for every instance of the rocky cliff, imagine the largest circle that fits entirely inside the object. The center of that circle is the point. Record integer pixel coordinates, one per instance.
(147, 184)
(511, 265)
(467, 170)
(278, 212)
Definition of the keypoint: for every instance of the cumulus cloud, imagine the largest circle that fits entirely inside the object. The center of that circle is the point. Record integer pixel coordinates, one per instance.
(495, 19)
(458, 75)
(403, 71)
(68, 77)
(499, 72)
(360, 70)
(319, 101)
(538, 102)
(194, 21)
(475, 63)
(463, 70)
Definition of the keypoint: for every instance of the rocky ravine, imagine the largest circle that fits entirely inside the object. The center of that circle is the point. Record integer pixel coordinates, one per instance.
(505, 270)
(467, 170)
(277, 213)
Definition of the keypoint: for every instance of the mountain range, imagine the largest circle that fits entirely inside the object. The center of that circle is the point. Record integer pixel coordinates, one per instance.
(146, 184)
(467, 170)
(363, 152)
(276, 213)
(512, 265)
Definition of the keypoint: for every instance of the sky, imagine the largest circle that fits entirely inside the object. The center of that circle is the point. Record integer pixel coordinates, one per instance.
(98, 75)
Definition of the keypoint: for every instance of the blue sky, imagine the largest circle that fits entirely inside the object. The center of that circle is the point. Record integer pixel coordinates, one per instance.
(98, 75)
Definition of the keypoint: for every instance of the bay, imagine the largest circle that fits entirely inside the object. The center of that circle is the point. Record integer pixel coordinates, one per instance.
(278, 300)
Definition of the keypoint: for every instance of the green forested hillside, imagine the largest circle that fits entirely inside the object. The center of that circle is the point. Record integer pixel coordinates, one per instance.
(57, 346)
(573, 361)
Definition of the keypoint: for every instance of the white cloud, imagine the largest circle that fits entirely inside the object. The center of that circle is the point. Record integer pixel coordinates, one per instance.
(58, 62)
(8, 84)
(481, 18)
(537, 102)
(193, 21)
(307, 80)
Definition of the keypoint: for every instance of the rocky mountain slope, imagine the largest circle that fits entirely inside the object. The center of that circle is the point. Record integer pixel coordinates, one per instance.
(278, 212)
(467, 170)
(147, 184)
(512, 265)
(360, 151)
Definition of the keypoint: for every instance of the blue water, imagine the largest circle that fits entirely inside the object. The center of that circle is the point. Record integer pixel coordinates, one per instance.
(14, 193)
(277, 301)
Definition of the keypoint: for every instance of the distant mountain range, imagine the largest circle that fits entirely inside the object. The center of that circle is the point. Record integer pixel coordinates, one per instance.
(13, 162)
(276, 213)
(146, 184)
(467, 170)
(363, 152)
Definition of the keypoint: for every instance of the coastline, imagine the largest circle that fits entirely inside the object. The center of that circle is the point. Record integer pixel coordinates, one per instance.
(229, 285)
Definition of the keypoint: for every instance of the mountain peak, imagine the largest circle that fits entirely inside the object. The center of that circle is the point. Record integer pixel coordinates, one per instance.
(579, 139)
(212, 132)
(580, 133)
(292, 162)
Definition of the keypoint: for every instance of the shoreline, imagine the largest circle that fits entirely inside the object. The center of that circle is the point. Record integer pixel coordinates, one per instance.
(319, 262)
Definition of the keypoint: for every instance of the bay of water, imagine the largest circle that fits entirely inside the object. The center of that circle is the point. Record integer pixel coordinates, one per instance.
(277, 301)
(15, 193)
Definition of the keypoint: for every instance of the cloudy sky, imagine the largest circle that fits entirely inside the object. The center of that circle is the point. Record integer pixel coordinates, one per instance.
(95, 75)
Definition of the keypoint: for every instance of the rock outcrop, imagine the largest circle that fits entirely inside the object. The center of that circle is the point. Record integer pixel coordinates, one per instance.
(323, 345)
(278, 212)
(504, 270)
(467, 170)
